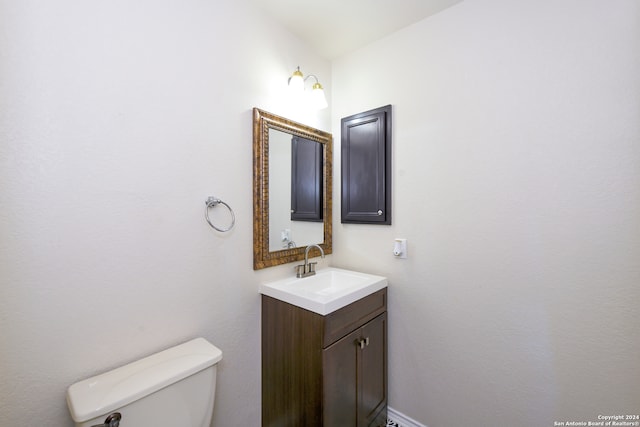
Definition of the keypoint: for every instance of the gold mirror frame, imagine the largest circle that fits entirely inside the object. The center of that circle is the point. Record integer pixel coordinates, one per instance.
(262, 122)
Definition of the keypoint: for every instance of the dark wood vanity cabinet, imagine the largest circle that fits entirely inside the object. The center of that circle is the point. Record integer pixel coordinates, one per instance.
(328, 371)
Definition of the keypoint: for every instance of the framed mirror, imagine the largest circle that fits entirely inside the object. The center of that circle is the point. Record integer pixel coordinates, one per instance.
(292, 188)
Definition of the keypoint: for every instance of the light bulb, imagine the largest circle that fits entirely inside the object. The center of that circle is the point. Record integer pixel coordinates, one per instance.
(296, 81)
(318, 100)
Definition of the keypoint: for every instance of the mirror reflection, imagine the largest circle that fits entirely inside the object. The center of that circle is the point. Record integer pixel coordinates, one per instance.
(295, 191)
(292, 188)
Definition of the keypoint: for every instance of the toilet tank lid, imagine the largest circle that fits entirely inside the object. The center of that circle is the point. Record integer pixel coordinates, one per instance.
(104, 393)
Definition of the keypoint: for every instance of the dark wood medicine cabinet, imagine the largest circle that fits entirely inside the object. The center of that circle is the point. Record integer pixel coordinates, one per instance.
(366, 167)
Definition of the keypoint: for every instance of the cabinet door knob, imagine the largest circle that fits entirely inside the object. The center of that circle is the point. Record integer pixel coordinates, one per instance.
(362, 343)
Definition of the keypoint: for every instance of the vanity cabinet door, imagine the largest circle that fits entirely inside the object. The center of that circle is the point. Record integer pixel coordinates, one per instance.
(355, 380)
(373, 378)
(340, 382)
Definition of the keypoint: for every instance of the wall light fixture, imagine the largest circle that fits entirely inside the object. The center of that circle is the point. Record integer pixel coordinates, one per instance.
(317, 98)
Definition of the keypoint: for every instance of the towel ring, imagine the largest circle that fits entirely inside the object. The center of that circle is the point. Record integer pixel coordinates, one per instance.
(213, 202)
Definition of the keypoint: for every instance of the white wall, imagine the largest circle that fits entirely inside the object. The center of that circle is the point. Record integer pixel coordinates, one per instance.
(516, 182)
(117, 120)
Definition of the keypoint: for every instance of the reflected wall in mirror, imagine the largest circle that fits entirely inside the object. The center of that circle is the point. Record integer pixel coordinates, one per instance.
(292, 187)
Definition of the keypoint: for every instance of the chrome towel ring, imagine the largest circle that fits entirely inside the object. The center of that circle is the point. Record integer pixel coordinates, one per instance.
(213, 202)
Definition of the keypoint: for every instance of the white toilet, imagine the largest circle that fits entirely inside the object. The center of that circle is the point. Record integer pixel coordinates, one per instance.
(175, 387)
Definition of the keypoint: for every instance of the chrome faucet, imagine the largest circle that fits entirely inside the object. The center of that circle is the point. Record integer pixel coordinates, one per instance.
(308, 268)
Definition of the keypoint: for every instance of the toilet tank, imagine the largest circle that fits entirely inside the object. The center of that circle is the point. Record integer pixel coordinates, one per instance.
(175, 387)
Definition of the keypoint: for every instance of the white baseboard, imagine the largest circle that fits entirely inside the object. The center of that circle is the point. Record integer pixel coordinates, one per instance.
(401, 419)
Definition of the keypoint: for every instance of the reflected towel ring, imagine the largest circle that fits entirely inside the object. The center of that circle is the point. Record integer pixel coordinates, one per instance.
(212, 202)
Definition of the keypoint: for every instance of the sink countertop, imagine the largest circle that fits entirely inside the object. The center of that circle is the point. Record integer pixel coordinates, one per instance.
(328, 290)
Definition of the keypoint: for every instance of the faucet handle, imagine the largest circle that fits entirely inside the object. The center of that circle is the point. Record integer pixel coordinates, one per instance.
(300, 270)
(312, 267)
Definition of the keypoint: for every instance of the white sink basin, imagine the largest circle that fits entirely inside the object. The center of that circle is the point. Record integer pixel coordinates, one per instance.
(329, 290)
